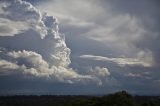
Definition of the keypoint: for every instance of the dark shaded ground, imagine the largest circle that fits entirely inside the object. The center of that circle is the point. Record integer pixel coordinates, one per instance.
(116, 99)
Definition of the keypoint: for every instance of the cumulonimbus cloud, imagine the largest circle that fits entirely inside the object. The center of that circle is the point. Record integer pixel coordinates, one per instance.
(32, 45)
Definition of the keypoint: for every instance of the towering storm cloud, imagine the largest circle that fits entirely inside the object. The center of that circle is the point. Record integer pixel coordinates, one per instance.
(30, 44)
(79, 46)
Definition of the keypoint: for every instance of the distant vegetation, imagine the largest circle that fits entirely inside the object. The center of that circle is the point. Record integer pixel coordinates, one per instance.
(117, 99)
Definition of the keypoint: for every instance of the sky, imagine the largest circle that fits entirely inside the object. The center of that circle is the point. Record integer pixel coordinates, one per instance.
(79, 47)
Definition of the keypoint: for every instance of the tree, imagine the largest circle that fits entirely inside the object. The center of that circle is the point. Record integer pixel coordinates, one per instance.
(119, 99)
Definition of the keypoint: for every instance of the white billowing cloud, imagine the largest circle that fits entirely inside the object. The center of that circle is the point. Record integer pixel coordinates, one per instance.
(31, 44)
(7, 65)
(98, 71)
(122, 61)
(9, 27)
(20, 16)
(33, 64)
(29, 59)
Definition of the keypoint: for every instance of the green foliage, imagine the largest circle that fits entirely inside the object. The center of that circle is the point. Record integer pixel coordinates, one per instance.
(117, 99)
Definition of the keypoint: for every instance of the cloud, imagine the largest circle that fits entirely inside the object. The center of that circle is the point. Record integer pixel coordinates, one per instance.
(10, 28)
(121, 41)
(36, 47)
(20, 16)
(144, 75)
(121, 31)
(34, 64)
(128, 31)
(7, 67)
(102, 72)
(122, 61)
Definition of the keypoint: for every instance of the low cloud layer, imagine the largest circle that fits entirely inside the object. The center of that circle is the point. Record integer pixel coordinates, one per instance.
(30, 44)
(122, 61)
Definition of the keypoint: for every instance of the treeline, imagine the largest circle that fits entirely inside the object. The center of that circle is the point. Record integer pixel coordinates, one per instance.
(117, 99)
